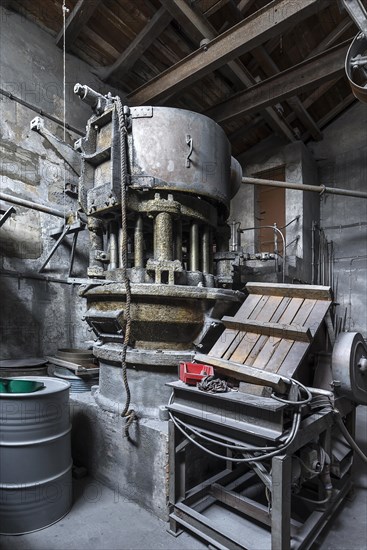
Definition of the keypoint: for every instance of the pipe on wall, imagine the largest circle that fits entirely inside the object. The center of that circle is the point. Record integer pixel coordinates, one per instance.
(321, 189)
(30, 204)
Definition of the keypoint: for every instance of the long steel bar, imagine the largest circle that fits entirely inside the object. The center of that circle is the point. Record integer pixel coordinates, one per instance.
(40, 111)
(30, 204)
(321, 189)
(243, 37)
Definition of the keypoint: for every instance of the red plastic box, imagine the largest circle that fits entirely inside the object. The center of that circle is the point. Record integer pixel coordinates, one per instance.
(191, 373)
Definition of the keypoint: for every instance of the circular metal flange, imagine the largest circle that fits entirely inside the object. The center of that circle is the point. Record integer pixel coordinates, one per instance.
(349, 367)
(356, 67)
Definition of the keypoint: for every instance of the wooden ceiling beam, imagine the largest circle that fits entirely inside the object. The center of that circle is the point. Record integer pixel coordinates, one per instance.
(75, 22)
(330, 115)
(152, 30)
(271, 20)
(196, 23)
(298, 79)
(270, 68)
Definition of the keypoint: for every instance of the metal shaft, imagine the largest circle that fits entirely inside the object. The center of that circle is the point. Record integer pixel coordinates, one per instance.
(178, 240)
(163, 236)
(139, 242)
(113, 245)
(194, 247)
(33, 205)
(300, 187)
(205, 254)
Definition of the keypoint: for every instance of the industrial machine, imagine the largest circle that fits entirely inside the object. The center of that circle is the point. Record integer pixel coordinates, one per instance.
(280, 440)
(155, 185)
(265, 463)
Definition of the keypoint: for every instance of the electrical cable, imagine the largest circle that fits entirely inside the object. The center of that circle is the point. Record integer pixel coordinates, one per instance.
(290, 402)
(180, 423)
(260, 458)
(229, 446)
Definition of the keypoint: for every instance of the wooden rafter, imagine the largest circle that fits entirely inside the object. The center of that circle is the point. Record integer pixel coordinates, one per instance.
(196, 23)
(76, 20)
(298, 79)
(160, 20)
(243, 37)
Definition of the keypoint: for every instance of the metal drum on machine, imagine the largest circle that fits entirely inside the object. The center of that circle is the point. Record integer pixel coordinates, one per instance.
(35, 453)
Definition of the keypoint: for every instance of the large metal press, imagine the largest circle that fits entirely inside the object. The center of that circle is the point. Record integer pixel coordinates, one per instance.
(269, 459)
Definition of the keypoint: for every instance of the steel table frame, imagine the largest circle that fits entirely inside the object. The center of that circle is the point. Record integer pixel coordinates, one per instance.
(187, 507)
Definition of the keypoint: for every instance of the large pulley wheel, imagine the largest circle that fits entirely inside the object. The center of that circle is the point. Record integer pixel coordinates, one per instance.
(349, 366)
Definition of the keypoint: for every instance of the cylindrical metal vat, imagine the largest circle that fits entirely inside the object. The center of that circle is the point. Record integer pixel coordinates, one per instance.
(180, 150)
(35, 457)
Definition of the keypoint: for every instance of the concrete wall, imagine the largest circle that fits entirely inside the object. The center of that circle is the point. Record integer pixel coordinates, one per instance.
(342, 162)
(38, 313)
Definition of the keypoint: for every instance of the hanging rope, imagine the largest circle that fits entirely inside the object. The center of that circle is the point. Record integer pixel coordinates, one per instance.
(128, 413)
(65, 10)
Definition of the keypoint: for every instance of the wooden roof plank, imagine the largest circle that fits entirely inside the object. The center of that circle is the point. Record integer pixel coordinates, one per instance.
(199, 28)
(160, 20)
(246, 35)
(77, 19)
(306, 75)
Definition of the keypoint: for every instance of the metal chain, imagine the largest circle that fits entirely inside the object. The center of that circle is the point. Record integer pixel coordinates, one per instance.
(127, 413)
(212, 385)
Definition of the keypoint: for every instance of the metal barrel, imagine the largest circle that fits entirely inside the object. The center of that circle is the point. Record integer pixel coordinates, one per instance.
(35, 457)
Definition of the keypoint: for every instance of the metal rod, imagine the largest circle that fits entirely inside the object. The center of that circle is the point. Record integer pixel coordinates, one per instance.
(194, 247)
(321, 189)
(206, 250)
(178, 240)
(55, 246)
(313, 229)
(277, 230)
(29, 204)
(7, 215)
(139, 242)
(72, 253)
(114, 256)
(40, 111)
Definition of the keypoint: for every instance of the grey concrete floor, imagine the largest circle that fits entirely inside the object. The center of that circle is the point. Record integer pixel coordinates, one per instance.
(102, 520)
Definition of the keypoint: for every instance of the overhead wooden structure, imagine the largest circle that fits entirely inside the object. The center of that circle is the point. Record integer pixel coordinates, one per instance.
(266, 67)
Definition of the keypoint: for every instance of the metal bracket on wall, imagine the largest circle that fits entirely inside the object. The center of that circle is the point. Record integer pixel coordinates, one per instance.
(61, 233)
(67, 152)
(7, 215)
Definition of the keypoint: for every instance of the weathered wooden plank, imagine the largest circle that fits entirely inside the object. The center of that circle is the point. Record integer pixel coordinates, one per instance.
(293, 359)
(230, 337)
(297, 351)
(317, 292)
(317, 315)
(265, 357)
(227, 338)
(281, 330)
(251, 342)
(247, 309)
(241, 372)
(300, 317)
